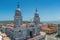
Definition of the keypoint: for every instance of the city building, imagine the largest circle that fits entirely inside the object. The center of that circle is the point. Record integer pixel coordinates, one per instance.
(21, 31)
(49, 28)
(58, 30)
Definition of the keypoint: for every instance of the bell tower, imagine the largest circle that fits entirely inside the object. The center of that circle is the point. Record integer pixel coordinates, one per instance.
(18, 16)
(36, 17)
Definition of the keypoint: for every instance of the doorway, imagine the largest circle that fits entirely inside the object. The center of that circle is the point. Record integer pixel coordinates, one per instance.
(31, 34)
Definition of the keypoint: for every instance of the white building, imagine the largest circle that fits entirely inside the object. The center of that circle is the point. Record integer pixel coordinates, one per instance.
(25, 31)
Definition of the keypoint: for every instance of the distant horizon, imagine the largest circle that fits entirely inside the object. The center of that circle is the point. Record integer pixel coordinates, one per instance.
(49, 10)
(30, 20)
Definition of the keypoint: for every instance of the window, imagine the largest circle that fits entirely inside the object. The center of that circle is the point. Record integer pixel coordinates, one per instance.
(31, 25)
(19, 30)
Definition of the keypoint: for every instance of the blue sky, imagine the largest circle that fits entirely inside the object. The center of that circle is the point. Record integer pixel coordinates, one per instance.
(49, 10)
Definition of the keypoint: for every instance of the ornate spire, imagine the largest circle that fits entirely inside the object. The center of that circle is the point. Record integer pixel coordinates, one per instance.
(36, 10)
(18, 5)
(36, 17)
(36, 13)
(18, 20)
(18, 11)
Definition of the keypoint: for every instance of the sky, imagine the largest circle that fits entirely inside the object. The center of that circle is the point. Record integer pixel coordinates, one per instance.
(49, 10)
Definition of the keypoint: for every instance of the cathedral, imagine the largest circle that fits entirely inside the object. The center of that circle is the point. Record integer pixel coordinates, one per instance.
(21, 31)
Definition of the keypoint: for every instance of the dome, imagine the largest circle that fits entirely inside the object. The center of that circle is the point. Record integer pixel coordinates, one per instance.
(18, 9)
(18, 12)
